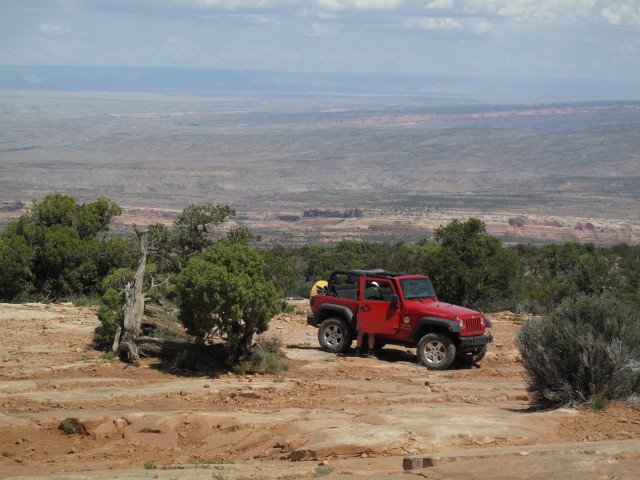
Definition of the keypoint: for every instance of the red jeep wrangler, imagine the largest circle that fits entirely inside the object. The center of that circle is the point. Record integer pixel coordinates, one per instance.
(402, 310)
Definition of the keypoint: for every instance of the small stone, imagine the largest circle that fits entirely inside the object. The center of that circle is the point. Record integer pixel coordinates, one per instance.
(120, 423)
(484, 440)
(249, 394)
(206, 385)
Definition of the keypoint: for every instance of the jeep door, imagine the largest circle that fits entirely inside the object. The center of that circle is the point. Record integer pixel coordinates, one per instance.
(378, 312)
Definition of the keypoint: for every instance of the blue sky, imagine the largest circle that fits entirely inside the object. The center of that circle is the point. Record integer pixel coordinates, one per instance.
(597, 39)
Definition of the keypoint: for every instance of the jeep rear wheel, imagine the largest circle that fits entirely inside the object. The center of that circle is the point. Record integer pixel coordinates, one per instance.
(472, 356)
(334, 335)
(436, 351)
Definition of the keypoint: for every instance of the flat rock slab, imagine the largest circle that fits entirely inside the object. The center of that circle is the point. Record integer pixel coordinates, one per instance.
(124, 389)
(579, 461)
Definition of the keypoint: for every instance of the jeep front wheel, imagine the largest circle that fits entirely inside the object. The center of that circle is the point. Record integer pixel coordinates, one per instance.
(334, 335)
(436, 351)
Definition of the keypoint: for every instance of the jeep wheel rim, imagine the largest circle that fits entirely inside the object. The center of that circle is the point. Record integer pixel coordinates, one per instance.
(435, 352)
(333, 335)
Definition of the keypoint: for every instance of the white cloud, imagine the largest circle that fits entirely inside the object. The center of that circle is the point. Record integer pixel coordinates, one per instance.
(260, 20)
(439, 5)
(331, 4)
(482, 27)
(611, 16)
(622, 14)
(532, 10)
(432, 24)
(321, 30)
(376, 4)
(53, 29)
(327, 16)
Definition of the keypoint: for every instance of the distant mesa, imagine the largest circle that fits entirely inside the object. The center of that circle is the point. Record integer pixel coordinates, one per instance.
(12, 206)
(521, 221)
(316, 213)
(288, 218)
(518, 221)
(585, 226)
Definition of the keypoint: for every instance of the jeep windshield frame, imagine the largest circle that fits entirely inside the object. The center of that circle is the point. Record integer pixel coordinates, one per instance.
(417, 288)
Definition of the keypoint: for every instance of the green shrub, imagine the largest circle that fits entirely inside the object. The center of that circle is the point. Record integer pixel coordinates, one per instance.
(84, 301)
(322, 471)
(69, 426)
(598, 402)
(110, 315)
(265, 357)
(587, 346)
(224, 293)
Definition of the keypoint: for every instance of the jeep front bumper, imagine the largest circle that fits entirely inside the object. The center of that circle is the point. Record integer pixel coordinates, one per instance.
(475, 340)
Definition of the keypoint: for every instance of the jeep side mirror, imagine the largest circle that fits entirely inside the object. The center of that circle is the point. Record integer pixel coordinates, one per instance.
(394, 300)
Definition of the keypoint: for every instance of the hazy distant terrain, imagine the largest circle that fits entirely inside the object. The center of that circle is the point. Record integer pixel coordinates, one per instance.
(408, 162)
(201, 81)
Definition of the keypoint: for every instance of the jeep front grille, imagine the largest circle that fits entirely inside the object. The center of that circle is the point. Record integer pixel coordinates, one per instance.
(473, 324)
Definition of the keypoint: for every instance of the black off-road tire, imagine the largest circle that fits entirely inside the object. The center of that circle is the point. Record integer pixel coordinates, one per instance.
(436, 351)
(334, 335)
(471, 357)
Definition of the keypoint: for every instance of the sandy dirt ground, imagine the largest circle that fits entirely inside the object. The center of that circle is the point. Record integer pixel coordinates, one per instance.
(328, 416)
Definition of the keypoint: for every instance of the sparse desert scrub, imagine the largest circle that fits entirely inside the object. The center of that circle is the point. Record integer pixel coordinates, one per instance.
(586, 348)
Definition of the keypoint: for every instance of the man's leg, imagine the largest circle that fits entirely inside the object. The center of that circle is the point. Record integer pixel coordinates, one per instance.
(372, 341)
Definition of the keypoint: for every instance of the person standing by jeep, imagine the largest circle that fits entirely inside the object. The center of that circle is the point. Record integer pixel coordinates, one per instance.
(372, 292)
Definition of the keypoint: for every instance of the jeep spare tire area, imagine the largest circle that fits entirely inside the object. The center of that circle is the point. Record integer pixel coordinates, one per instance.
(436, 351)
(334, 335)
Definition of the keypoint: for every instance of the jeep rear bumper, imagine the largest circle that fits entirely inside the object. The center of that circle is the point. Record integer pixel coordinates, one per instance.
(475, 340)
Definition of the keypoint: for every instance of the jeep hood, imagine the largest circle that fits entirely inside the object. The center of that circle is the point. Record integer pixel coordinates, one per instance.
(431, 308)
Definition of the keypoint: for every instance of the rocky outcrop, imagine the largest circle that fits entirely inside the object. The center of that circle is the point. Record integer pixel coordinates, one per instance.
(317, 213)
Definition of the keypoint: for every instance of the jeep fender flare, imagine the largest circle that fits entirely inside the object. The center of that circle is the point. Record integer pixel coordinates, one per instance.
(327, 310)
(427, 323)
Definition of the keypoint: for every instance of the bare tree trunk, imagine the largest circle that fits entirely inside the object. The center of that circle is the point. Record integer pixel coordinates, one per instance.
(133, 307)
(154, 347)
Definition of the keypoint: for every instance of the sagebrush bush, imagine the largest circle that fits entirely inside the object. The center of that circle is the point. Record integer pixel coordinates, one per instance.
(587, 346)
(265, 357)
